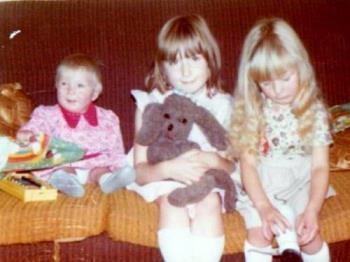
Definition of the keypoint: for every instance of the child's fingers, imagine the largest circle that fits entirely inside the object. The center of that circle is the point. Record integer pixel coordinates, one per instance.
(282, 223)
(267, 231)
(300, 228)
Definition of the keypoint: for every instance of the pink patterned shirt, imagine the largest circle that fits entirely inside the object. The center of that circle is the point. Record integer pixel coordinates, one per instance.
(105, 139)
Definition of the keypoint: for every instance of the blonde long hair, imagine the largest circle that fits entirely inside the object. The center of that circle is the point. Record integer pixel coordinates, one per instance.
(191, 34)
(271, 48)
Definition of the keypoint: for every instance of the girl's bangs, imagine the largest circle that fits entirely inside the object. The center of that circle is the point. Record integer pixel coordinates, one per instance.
(187, 45)
(266, 65)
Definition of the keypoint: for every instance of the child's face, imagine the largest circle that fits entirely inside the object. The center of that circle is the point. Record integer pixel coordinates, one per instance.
(283, 89)
(187, 74)
(76, 89)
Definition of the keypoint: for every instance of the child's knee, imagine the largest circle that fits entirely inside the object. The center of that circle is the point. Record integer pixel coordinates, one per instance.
(256, 237)
(313, 246)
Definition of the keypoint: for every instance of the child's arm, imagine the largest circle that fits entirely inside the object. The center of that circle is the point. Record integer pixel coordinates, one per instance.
(269, 215)
(38, 123)
(308, 225)
(186, 168)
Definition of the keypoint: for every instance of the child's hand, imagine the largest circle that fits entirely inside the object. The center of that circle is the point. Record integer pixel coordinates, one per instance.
(307, 226)
(271, 218)
(188, 167)
(24, 137)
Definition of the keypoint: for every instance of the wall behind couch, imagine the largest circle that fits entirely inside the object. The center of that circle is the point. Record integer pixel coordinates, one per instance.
(122, 33)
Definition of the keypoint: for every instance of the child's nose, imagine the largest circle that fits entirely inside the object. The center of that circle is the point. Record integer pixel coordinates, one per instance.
(70, 89)
(185, 68)
(277, 88)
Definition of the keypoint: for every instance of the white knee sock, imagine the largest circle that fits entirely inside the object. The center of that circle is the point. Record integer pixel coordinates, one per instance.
(175, 244)
(320, 256)
(288, 239)
(207, 249)
(257, 254)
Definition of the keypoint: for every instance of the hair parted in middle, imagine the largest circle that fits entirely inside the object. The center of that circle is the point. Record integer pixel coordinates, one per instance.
(190, 34)
(271, 49)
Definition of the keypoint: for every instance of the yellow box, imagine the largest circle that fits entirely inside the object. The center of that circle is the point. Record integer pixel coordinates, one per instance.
(27, 188)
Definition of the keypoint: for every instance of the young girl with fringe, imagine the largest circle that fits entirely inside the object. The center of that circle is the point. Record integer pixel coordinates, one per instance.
(188, 63)
(280, 132)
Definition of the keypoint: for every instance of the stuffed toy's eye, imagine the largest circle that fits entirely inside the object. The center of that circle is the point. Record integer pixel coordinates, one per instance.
(183, 120)
(166, 115)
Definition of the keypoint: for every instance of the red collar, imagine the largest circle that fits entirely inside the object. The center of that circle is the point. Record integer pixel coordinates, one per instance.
(72, 118)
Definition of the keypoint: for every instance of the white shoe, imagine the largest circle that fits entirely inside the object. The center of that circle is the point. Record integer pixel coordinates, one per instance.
(113, 181)
(67, 183)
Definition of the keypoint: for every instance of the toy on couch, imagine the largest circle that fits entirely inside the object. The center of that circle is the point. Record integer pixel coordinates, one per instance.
(17, 162)
(165, 130)
(42, 152)
(339, 151)
(15, 108)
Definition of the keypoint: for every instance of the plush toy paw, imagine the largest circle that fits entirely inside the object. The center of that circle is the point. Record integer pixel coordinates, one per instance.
(193, 193)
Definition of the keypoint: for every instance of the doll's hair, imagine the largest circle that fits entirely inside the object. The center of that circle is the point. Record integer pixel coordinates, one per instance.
(271, 49)
(84, 62)
(191, 34)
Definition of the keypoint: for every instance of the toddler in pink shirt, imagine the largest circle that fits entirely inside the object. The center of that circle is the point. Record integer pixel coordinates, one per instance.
(76, 119)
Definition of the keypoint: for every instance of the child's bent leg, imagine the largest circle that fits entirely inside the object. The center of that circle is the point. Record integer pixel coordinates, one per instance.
(208, 239)
(257, 248)
(174, 237)
(113, 181)
(66, 183)
(317, 250)
(288, 240)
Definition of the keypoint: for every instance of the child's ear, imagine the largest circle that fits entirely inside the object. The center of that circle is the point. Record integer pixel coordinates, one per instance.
(97, 92)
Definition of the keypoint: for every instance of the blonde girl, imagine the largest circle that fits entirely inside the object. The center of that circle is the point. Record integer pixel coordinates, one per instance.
(280, 132)
(188, 63)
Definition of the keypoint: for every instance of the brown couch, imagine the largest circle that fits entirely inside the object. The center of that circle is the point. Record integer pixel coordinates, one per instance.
(35, 35)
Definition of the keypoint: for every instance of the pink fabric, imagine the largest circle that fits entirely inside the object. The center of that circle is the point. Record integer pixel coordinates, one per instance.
(103, 140)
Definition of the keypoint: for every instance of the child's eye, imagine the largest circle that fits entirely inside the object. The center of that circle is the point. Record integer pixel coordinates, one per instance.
(265, 84)
(63, 83)
(173, 62)
(81, 85)
(183, 120)
(195, 57)
(286, 78)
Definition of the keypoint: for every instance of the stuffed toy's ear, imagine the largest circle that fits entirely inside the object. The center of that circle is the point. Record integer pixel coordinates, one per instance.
(212, 129)
(151, 124)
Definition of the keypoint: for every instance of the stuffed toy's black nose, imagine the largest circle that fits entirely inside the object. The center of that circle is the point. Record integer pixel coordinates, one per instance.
(170, 127)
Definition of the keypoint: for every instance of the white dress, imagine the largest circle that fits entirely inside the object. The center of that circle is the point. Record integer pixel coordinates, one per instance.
(220, 105)
(284, 165)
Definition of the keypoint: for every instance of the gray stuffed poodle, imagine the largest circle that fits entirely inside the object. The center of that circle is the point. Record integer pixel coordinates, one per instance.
(165, 129)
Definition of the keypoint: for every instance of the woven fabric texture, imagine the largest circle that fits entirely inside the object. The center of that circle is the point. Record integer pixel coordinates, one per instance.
(134, 221)
(64, 219)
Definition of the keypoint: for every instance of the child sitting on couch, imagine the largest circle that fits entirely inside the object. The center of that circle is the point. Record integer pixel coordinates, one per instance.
(76, 119)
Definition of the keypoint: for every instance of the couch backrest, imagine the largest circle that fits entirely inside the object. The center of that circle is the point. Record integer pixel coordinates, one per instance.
(35, 35)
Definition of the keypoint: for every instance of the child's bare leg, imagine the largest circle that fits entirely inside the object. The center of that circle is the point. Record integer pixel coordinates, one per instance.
(207, 230)
(316, 250)
(174, 237)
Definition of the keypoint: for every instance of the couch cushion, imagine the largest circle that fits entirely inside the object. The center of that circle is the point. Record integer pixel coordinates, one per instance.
(132, 220)
(65, 218)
